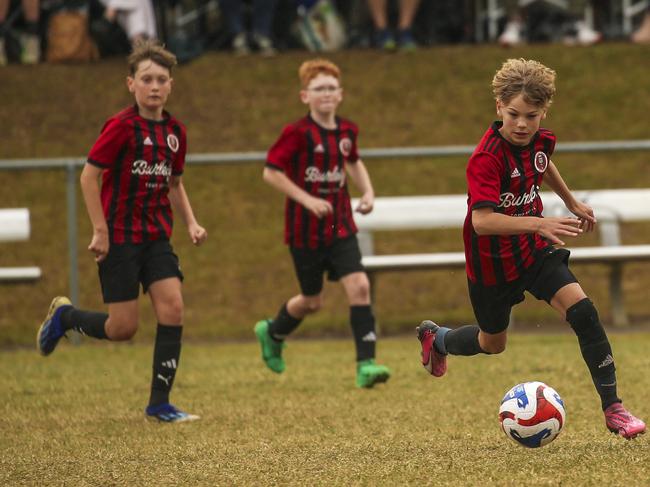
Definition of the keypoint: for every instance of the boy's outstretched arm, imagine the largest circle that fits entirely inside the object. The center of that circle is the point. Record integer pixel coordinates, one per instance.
(486, 222)
(361, 179)
(583, 211)
(99, 244)
(276, 178)
(181, 205)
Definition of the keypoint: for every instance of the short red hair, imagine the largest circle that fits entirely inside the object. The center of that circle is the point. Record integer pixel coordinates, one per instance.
(312, 68)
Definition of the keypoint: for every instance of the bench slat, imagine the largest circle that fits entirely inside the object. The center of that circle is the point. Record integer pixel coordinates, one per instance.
(448, 211)
(17, 274)
(441, 260)
(14, 224)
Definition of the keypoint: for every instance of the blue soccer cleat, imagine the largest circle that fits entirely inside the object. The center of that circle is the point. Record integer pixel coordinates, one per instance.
(51, 331)
(166, 413)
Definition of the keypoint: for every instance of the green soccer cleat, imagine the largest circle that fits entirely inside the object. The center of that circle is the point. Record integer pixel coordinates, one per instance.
(369, 373)
(271, 349)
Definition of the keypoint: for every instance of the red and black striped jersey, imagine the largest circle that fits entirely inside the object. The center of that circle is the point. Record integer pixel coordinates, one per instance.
(138, 157)
(314, 158)
(506, 178)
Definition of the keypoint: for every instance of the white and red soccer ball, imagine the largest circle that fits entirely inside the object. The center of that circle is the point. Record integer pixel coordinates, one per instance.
(532, 414)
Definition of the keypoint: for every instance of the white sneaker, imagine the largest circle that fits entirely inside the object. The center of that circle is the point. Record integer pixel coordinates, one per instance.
(512, 34)
(31, 49)
(265, 45)
(584, 36)
(3, 53)
(240, 45)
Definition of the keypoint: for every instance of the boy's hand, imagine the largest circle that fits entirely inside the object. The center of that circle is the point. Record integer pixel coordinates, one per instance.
(366, 204)
(198, 234)
(99, 245)
(552, 227)
(319, 207)
(586, 215)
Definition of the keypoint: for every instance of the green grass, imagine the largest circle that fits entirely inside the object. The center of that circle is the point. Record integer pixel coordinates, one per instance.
(437, 96)
(76, 418)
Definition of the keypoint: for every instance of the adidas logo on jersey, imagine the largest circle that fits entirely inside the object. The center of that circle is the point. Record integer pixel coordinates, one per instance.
(147, 141)
(515, 173)
(319, 149)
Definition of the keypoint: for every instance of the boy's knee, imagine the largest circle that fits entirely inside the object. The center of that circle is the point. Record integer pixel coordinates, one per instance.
(312, 304)
(172, 312)
(584, 320)
(492, 344)
(493, 348)
(120, 334)
(359, 291)
(120, 331)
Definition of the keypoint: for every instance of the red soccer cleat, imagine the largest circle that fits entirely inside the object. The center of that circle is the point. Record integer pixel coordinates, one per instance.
(620, 421)
(432, 360)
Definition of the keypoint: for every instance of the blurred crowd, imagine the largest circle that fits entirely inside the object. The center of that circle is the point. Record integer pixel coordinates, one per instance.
(84, 30)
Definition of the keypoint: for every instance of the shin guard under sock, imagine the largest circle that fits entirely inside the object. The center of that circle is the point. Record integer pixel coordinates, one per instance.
(463, 341)
(283, 324)
(595, 348)
(89, 323)
(362, 322)
(166, 354)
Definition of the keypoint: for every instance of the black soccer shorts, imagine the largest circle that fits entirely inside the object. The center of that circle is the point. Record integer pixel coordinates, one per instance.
(128, 265)
(341, 258)
(492, 304)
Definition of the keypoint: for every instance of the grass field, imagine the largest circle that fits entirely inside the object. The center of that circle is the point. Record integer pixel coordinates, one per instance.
(75, 418)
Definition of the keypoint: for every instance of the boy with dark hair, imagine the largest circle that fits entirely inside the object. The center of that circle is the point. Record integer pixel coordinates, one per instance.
(140, 155)
(308, 164)
(509, 245)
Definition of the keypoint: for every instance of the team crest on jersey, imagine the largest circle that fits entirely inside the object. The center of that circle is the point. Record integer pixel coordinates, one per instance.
(541, 161)
(345, 145)
(172, 142)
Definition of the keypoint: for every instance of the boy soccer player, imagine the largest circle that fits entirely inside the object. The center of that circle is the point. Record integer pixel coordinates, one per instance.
(140, 155)
(509, 245)
(308, 164)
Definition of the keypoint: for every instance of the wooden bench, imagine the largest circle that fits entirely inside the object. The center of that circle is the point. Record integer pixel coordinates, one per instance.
(611, 207)
(14, 227)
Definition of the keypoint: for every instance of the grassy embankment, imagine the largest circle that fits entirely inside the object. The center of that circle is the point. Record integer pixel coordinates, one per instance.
(437, 96)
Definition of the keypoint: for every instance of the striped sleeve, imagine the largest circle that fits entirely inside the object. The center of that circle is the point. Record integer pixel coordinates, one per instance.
(483, 180)
(281, 153)
(108, 145)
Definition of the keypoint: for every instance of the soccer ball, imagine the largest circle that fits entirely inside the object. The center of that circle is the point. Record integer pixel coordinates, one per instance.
(532, 414)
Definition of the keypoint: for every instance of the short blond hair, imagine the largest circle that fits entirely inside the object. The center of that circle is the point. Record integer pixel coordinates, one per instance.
(529, 78)
(312, 68)
(150, 50)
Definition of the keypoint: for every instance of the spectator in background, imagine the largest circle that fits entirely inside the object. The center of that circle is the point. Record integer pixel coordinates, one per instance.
(30, 41)
(262, 12)
(642, 34)
(384, 36)
(136, 17)
(576, 30)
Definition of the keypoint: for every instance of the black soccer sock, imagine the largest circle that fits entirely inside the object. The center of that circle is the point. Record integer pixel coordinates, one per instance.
(90, 323)
(595, 348)
(363, 328)
(166, 354)
(283, 324)
(463, 341)
(31, 28)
